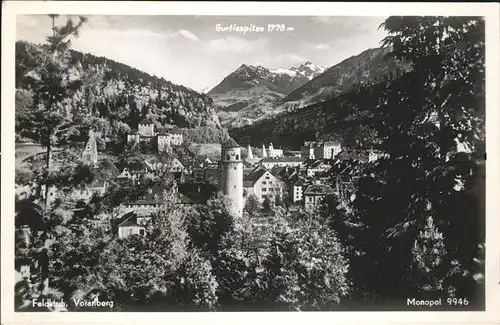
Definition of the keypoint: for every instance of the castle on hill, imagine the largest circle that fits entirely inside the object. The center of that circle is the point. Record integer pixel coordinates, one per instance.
(165, 138)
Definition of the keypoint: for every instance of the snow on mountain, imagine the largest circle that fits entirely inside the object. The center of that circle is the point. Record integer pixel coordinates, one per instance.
(291, 73)
(369, 66)
(252, 91)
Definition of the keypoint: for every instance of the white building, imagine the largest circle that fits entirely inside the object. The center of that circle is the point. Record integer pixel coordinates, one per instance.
(273, 153)
(298, 190)
(177, 166)
(169, 136)
(130, 227)
(146, 128)
(164, 143)
(262, 183)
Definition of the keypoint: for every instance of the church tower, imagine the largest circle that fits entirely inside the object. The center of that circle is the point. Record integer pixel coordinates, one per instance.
(89, 155)
(232, 175)
(249, 154)
(264, 153)
(270, 153)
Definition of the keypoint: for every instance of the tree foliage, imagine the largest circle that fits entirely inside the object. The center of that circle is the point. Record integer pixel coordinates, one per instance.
(422, 120)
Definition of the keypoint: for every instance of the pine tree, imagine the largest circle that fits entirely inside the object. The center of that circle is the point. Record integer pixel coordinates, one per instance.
(428, 255)
(55, 79)
(267, 205)
(252, 206)
(419, 119)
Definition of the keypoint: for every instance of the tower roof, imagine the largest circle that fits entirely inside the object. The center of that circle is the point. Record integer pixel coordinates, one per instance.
(230, 143)
(91, 145)
(145, 121)
(249, 153)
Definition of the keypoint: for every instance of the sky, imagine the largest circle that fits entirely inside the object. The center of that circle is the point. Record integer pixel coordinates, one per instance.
(193, 51)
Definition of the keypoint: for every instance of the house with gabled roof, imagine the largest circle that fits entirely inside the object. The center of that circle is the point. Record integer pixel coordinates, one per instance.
(130, 226)
(262, 183)
(179, 166)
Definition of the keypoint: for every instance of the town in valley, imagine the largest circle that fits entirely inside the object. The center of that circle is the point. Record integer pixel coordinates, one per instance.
(263, 181)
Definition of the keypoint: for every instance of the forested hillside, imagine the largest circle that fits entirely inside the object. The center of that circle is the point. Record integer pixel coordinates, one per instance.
(348, 117)
(119, 101)
(369, 67)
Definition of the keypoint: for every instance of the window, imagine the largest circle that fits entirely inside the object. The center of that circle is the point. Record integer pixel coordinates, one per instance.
(237, 157)
(141, 232)
(267, 177)
(270, 182)
(271, 189)
(227, 157)
(264, 189)
(234, 168)
(264, 182)
(263, 196)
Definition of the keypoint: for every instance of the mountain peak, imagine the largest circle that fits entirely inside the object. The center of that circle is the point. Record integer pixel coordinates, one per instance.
(249, 67)
(308, 69)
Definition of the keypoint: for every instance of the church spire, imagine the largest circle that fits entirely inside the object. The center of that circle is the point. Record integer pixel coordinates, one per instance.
(264, 153)
(89, 154)
(271, 150)
(249, 154)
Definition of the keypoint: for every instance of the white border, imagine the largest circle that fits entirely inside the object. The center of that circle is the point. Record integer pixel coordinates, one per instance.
(489, 10)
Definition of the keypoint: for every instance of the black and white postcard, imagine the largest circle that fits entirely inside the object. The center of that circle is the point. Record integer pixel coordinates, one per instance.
(164, 160)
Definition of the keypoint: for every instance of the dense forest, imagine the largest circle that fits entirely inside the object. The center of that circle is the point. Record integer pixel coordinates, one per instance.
(348, 118)
(427, 196)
